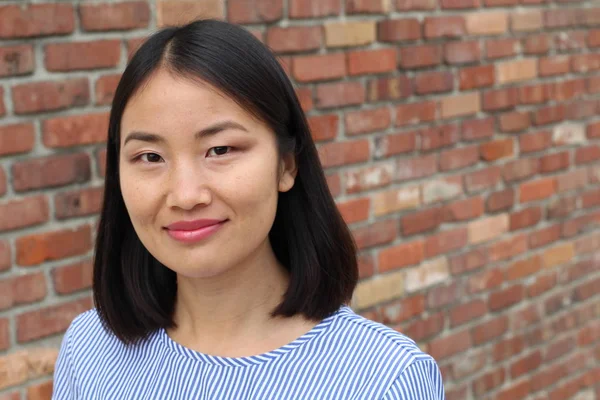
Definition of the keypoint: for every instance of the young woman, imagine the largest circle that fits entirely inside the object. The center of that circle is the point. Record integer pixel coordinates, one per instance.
(222, 266)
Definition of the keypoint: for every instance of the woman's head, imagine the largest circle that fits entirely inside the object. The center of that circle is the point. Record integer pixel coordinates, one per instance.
(206, 126)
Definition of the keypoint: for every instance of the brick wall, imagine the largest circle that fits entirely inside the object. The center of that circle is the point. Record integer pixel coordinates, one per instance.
(460, 137)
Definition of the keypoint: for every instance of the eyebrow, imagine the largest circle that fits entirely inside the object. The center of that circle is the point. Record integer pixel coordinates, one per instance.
(208, 131)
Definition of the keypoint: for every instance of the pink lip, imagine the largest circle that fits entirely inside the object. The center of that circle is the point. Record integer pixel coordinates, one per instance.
(193, 231)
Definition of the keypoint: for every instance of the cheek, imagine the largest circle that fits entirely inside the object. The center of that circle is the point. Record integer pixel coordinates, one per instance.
(138, 199)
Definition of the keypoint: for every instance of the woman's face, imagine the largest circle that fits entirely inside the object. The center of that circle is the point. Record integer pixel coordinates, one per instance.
(200, 176)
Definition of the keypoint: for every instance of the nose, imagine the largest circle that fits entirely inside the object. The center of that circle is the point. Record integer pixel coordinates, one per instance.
(188, 188)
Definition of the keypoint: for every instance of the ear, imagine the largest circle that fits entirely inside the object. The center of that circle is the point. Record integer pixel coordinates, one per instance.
(287, 172)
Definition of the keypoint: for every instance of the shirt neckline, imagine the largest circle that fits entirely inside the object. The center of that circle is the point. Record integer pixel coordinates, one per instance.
(247, 360)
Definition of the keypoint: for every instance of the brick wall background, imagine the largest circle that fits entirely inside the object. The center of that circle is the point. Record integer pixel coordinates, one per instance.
(461, 140)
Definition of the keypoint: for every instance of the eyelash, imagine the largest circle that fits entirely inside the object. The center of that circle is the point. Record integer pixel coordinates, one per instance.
(139, 157)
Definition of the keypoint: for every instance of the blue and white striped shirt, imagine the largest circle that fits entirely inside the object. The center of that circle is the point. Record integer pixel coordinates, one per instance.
(344, 357)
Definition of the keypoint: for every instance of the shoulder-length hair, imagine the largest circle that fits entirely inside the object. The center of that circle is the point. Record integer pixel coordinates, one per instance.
(134, 294)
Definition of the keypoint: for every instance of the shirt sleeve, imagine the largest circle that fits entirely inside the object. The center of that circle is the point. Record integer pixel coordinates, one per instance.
(64, 377)
(421, 380)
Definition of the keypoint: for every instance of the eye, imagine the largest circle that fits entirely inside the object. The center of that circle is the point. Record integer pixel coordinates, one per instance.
(218, 151)
(150, 158)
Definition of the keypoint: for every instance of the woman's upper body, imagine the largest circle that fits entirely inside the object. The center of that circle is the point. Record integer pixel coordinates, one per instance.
(345, 356)
(218, 237)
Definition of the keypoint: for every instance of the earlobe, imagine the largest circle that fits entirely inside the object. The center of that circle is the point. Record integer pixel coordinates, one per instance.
(288, 173)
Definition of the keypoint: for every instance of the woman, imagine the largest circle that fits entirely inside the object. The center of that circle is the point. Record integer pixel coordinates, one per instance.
(222, 266)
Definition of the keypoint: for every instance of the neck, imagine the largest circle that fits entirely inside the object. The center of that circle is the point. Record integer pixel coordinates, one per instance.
(236, 304)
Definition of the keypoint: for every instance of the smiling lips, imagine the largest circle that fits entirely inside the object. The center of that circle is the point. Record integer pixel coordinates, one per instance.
(194, 231)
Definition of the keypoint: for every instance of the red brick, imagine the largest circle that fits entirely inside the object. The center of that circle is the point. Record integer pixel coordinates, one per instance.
(501, 48)
(404, 309)
(467, 312)
(367, 6)
(49, 320)
(420, 56)
(355, 210)
(364, 121)
(414, 5)
(296, 38)
(16, 60)
(342, 153)
(554, 162)
(415, 113)
(334, 184)
(398, 30)
(468, 261)
(421, 221)
(492, 151)
(459, 158)
(537, 190)
(587, 154)
(535, 94)
(434, 82)
(500, 201)
(16, 138)
(40, 391)
(568, 90)
(542, 284)
(24, 212)
(36, 20)
(489, 330)
(525, 218)
(459, 4)
(441, 296)
(593, 39)
(180, 12)
(524, 365)
(581, 109)
(105, 88)
(5, 255)
(425, 328)
(522, 268)
(544, 236)
(549, 115)
(401, 256)
(72, 56)
(78, 203)
(537, 44)
(439, 136)
(311, 9)
(506, 298)
(585, 63)
(120, 16)
(477, 129)
(488, 381)
(556, 65)
(482, 179)
(375, 234)
(371, 61)
(73, 277)
(324, 127)
(319, 67)
(500, 99)
(340, 94)
(50, 171)
(50, 96)
(414, 168)
(449, 345)
(133, 45)
(590, 198)
(24, 289)
(393, 144)
(515, 121)
(445, 242)
(463, 52)
(305, 97)
(561, 207)
(101, 162)
(520, 169)
(75, 130)
(390, 88)
(485, 280)
(515, 391)
(476, 77)
(536, 141)
(463, 210)
(254, 11)
(37, 248)
(508, 248)
(447, 27)
(507, 348)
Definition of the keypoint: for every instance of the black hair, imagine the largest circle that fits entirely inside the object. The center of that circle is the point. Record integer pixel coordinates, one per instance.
(134, 294)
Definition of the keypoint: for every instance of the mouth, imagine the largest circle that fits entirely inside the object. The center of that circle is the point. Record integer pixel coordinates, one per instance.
(193, 231)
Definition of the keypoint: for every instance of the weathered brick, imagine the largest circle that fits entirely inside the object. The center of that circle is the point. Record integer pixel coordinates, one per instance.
(516, 71)
(482, 179)
(180, 12)
(447, 26)
(398, 30)
(537, 190)
(535, 141)
(460, 105)
(449, 345)
(420, 56)
(295, 38)
(311, 9)
(120, 16)
(490, 329)
(526, 21)
(559, 254)
(476, 129)
(396, 143)
(488, 228)
(401, 256)
(50, 96)
(16, 60)
(438, 136)
(463, 210)
(525, 218)
(75, 130)
(319, 67)
(434, 82)
(396, 200)
(50, 171)
(375, 234)
(445, 242)
(29, 20)
(340, 94)
(442, 189)
(502, 48)
(24, 212)
(323, 127)
(342, 153)
(421, 221)
(371, 61)
(497, 149)
(78, 203)
(16, 138)
(378, 289)
(520, 169)
(350, 33)
(486, 23)
(367, 178)
(355, 210)
(73, 277)
(39, 247)
(72, 56)
(105, 88)
(415, 113)
(462, 52)
(389, 88)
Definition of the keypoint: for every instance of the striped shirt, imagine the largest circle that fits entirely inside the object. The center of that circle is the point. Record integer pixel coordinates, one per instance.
(345, 356)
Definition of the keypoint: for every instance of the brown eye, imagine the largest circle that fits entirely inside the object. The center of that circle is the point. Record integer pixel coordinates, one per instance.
(151, 157)
(218, 151)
